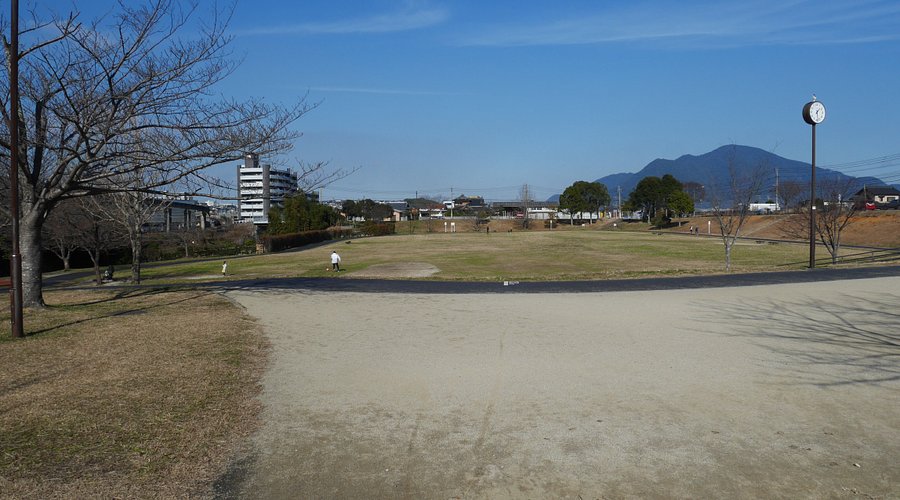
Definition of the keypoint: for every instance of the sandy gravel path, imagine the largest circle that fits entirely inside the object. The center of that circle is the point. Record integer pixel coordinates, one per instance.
(786, 391)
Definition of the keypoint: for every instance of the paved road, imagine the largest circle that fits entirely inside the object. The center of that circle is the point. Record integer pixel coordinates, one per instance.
(644, 284)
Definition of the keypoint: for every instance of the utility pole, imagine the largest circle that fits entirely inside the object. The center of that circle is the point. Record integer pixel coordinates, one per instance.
(525, 196)
(15, 259)
(619, 205)
(777, 203)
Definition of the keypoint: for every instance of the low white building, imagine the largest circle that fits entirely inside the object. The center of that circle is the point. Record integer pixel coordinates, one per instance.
(764, 207)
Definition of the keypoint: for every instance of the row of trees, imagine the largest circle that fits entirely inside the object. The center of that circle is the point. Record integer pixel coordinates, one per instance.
(367, 209)
(125, 104)
(301, 213)
(583, 196)
(98, 227)
(660, 197)
(656, 197)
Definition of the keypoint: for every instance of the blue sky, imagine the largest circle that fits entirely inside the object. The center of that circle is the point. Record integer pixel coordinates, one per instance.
(483, 97)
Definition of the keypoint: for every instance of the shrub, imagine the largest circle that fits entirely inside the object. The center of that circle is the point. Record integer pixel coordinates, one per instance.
(661, 220)
(372, 228)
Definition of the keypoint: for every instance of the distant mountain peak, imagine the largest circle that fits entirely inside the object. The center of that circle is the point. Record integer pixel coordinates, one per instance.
(713, 167)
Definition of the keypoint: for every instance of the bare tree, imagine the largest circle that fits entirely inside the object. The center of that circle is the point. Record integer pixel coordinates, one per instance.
(835, 209)
(63, 230)
(238, 234)
(835, 214)
(731, 205)
(791, 193)
(186, 235)
(695, 190)
(132, 90)
(97, 234)
(525, 197)
(133, 208)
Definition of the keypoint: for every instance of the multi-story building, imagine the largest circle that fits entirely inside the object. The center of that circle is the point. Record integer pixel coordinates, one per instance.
(179, 213)
(261, 187)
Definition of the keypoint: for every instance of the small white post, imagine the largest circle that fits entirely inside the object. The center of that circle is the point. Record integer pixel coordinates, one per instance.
(709, 227)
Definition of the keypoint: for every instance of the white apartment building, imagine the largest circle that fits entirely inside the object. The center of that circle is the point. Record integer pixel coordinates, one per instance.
(261, 187)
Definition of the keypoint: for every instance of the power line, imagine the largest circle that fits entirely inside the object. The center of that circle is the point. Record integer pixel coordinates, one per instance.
(482, 191)
(869, 161)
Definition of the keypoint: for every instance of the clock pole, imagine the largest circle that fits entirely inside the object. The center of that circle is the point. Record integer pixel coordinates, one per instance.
(813, 114)
(812, 204)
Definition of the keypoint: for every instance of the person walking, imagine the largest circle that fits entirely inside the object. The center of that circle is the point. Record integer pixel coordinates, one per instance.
(335, 261)
(224, 267)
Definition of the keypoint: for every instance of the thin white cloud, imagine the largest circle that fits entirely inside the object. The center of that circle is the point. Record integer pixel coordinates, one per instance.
(713, 24)
(412, 18)
(364, 90)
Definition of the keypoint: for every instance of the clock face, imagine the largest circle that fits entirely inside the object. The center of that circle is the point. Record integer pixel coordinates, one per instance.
(817, 112)
(814, 112)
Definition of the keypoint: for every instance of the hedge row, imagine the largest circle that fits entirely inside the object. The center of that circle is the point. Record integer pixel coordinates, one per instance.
(280, 242)
(371, 228)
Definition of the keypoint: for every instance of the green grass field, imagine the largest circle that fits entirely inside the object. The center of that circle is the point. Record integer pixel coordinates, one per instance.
(543, 255)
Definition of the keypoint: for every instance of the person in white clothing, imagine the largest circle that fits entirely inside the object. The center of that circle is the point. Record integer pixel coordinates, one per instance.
(224, 267)
(335, 261)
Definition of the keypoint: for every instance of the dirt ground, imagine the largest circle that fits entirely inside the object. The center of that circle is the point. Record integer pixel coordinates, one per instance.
(880, 228)
(789, 391)
(398, 270)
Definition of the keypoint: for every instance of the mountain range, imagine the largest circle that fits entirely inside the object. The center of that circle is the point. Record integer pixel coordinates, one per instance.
(713, 169)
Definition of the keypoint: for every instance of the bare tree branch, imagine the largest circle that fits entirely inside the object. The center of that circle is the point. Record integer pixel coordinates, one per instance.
(129, 94)
(731, 205)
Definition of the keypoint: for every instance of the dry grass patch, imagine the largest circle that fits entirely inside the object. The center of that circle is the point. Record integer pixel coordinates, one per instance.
(139, 394)
(570, 254)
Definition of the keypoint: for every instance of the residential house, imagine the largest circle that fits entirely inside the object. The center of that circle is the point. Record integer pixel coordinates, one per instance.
(878, 194)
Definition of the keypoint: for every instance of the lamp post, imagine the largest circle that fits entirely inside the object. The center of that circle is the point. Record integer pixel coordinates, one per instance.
(813, 114)
(15, 258)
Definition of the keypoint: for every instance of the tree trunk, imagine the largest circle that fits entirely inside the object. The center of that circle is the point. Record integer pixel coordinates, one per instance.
(65, 255)
(30, 225)
(97, 275)
(95, 259)
(836, 251)
(728, 243)
(135, 238)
